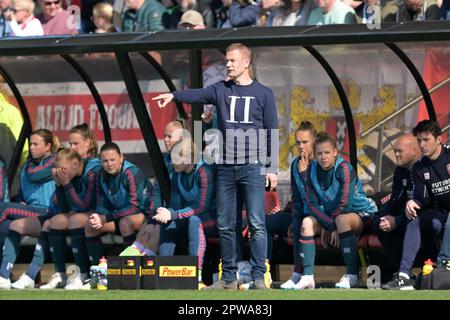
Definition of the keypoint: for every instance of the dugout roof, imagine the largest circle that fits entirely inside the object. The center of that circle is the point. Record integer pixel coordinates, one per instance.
(125, 57)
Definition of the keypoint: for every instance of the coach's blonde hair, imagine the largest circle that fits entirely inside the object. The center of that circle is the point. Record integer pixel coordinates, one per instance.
(244, 50)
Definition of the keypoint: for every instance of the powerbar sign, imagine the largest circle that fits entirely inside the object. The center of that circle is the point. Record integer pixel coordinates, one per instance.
(177, 271)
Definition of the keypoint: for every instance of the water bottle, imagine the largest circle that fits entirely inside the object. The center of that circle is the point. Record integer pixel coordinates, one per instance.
(427, 267)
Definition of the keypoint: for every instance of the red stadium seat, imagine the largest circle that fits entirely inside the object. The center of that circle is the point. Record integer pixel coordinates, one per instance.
(373, 242)
(272, 202)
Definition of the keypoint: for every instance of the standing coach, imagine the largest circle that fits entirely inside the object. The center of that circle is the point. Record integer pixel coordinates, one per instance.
(244, 107)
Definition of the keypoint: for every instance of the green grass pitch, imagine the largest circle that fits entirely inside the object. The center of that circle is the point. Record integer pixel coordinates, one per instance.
(318, 294)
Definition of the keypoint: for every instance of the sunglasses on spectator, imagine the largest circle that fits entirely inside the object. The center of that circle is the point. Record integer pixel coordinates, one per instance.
(49, 3)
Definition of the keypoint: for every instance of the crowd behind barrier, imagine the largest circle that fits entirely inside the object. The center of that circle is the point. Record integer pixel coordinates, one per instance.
(69, 17)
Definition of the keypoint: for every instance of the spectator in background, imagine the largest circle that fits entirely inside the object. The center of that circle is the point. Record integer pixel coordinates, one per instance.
(4, 23)
(287, 12)
(202, 6)
(55, 20)
(331, 12)
(410, 10)
(191, 19)
(86, 8)
(242, 13)
(445, 10)
(102, 15)
(172, 15)
(276, 13)
(302, 10)
(143, 16)
(22, 21)
(368, 9)
(222, 14)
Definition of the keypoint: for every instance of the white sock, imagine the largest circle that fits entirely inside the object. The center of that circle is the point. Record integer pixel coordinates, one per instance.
(402, 274)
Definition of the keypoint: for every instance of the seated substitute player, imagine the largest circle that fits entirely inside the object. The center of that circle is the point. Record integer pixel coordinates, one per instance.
(431, 200)
(33, 207)
(75, 180)
(289, 223)
(390, 223)
(148, 237)
(75, 175)
(123, 197)
(337, 208)
(192, 207)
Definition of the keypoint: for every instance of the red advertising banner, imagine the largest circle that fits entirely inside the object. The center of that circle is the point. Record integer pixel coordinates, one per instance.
(60, 112)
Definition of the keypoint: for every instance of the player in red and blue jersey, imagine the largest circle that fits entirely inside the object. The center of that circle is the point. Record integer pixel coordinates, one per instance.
(75, 176)
(123, 197)
(33, 207)
(173, 133)
(337, 206)
(192, 207)
(289, 223)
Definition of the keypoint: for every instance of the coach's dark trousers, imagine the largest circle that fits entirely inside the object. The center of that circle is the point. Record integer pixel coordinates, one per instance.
(251, 182)
(444, 253)
(425, 226)
(391, 242)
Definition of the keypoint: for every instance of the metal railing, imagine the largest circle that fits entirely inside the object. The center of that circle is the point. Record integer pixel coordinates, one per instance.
(380, 128)
(404, 108)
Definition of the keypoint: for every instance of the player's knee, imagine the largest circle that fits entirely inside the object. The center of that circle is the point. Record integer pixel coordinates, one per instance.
(58, 222)
(17, 226)
(126, 225)
(307, 226)
(343, 220)
(77, 221)
(46, 226)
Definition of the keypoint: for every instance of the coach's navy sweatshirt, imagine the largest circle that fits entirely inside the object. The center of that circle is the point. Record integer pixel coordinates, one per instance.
(242, 107)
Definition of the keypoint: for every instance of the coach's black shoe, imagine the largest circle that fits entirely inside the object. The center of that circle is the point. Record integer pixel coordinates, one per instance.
(398, 282)
(223, 285)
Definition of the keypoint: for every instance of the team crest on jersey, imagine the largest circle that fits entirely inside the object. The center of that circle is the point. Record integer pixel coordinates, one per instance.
(405, 182)
(448, 168)
(426, 175)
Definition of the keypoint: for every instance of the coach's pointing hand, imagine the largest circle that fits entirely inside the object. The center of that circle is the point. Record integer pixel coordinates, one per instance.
(163, 99)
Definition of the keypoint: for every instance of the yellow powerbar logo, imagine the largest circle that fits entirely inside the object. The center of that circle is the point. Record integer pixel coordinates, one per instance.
(148, 272)
(128, 272)
(114, 272)
(177, 271)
